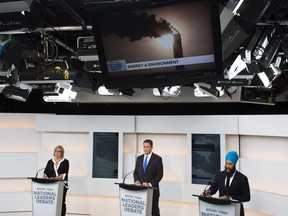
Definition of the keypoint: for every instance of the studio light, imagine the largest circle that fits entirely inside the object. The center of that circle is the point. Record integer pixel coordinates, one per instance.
(172, 91)
(9, 76)
(206, 90)
(257, 57)
(62, 92)
(263, 46)
(19, 91)
(236, 67)
(102, 90)
(270, 74)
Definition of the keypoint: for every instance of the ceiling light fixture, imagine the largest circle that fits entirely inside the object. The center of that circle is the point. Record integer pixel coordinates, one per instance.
(171, 91)
(102, 90)
(206, 90)
(62, 92)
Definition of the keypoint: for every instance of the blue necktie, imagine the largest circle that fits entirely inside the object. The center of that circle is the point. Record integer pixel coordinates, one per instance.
(145, 163)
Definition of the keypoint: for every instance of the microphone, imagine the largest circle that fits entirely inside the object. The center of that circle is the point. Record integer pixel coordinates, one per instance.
(38, 172)
(127, 175)
(204, 192)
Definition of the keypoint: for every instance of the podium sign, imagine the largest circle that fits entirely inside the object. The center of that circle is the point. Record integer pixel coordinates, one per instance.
(214, 206)
(47, 197)
(135, 200)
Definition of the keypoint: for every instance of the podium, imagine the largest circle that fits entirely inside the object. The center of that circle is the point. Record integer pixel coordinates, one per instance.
(47, 195)
(216, 206)
(135, 200)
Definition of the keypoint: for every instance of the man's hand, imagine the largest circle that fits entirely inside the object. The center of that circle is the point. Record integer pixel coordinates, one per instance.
(137, 183)
(145, 184)
(225, 197)
(206, 193)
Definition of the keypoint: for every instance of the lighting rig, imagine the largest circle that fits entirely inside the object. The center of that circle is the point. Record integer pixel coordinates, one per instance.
(254, 54)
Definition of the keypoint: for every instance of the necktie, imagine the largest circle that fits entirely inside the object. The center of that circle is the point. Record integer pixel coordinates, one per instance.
(227, 184)
(145, 163)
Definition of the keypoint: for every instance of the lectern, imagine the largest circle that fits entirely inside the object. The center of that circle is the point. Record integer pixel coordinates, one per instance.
(215, 206)
(47, 195)
(135, 200)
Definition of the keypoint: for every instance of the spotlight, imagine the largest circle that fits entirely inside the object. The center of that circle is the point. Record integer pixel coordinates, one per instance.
(102, 90)
(19, 91)
(172, 91)
(236, 67)
(270, 74)
(62, 93)
(248, 53)
(206, 90)
(9, 76)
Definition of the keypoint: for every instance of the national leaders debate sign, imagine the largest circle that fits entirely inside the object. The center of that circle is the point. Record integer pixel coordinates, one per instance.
(135, 202)
(47, 197)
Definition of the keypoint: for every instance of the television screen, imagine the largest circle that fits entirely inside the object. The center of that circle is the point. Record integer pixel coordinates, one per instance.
(175, 43)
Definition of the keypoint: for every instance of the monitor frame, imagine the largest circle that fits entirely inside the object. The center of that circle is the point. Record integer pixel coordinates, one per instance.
(186, 77)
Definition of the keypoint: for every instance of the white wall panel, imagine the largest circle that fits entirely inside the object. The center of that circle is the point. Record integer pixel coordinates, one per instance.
(266, 176)
(18, 164)
(85, 123)
(78, 205)
(79, 164)
(103, 187)
(266, 125)
(264, 148)
(43, 158)
(27, 213)
(72, 141)
(187, 124)
(15, 202)
(15, 185)
(268, 203)
(175, 168)
(180, 192)
(105, 206)
(232, 143)
(129, 160)
(19, 140)
(129, 143)
(178, 208)
(17, 120)
(78, 186)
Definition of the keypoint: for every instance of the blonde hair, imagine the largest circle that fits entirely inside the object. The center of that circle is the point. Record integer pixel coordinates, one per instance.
(61, 148)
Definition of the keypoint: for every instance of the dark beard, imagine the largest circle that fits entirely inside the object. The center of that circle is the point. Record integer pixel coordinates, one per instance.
(230, 172)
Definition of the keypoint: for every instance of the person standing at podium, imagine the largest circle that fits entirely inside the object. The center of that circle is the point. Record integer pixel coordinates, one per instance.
(231, 183)
(149, 172)
(58, 168)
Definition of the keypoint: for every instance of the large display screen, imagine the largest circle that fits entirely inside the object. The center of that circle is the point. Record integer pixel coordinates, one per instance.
(176, 43)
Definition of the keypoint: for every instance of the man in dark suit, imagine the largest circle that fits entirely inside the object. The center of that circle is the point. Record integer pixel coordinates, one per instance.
(231, 183)
(149, 172)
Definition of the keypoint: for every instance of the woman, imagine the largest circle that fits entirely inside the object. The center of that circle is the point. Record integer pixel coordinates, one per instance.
(58, 168)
